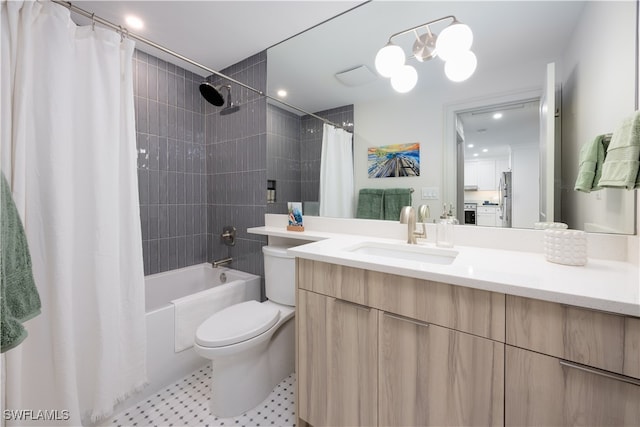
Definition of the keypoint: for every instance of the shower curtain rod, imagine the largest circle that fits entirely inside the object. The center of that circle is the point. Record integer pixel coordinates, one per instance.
(124, 32)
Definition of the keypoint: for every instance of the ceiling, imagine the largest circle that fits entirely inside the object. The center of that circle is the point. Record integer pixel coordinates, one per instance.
(505, 33)
(216, 34)
(518, 124)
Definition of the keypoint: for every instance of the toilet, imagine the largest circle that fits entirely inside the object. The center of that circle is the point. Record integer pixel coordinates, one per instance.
(251, 344)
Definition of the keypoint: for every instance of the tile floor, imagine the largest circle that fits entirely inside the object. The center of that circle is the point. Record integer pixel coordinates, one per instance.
(186, 403)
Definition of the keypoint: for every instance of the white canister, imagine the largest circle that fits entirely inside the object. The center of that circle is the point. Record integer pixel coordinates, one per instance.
(568, 247)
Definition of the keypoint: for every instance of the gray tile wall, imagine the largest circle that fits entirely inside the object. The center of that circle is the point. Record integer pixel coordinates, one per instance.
(199, 171)
(283, 157)
(171, 164)
(311, 147)
(236, 147)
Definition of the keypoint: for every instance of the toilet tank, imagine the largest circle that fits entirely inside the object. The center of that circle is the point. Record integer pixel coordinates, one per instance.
(279, 275)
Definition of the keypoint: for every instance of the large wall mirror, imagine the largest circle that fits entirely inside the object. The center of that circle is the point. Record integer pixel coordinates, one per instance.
(584, 53)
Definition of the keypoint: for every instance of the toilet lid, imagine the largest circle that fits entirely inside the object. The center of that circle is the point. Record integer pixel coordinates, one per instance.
(237, 323)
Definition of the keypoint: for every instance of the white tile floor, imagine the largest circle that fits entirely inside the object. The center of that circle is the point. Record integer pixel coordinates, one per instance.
(186, 403)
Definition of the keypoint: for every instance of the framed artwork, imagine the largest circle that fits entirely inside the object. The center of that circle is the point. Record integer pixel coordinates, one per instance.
(394, 160)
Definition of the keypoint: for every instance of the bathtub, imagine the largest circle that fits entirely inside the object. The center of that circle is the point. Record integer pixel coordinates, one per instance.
(164, 365)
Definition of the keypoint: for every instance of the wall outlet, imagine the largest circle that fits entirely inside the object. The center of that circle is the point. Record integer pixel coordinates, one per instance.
(430, 193)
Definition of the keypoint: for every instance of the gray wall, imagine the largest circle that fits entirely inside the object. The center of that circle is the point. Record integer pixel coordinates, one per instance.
(171, 164)
(283, 156)
(199, 171)
(236, 147)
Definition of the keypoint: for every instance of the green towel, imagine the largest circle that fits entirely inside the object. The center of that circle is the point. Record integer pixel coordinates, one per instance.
(622, 162)
(592, 157)
(370, 203)
(19, 300)
(394, 200)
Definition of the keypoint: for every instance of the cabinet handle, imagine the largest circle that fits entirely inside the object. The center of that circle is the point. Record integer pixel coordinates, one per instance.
(353, 304)
(406, 319)
(600, 372)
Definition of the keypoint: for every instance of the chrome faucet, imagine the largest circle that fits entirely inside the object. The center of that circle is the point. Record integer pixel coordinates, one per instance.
(408, 216)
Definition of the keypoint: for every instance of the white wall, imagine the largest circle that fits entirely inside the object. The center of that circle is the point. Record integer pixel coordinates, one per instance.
(596, 96)
(419, 117)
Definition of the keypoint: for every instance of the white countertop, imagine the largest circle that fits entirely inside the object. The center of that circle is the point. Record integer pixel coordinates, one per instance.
(612, 286)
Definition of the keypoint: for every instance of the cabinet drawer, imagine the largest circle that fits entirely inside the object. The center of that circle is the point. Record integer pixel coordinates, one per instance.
(457, 307)
(546, 391)
(603, 340)
(489, 210)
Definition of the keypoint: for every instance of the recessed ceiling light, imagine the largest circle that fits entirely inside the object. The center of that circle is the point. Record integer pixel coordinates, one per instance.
(497, 116)
(484, 150)
(134, 22)
(470, 146)
(475, 154)
(282, 93)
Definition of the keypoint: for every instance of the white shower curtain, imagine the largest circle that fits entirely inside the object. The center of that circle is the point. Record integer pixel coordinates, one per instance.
(68, 152)
(336, 173)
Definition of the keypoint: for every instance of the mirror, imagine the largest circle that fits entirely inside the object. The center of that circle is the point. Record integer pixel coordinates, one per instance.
(593, 45)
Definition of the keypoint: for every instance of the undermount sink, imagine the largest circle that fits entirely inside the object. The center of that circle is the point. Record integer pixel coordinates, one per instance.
(406, 252)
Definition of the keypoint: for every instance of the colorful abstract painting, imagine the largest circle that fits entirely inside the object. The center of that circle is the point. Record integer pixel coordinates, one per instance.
(394, 160)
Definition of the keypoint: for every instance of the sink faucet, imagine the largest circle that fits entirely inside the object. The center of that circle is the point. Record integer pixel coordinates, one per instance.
(408, 216)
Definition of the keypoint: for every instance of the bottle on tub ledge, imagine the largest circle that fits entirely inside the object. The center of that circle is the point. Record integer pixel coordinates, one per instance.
(444, 228)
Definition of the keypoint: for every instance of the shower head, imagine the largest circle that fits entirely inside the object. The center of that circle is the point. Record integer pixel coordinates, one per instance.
(214, 96)
(212, 93)
(229, 109)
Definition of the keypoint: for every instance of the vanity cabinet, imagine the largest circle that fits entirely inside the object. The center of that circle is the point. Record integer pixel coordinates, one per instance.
(337, 359)
(434, 376)
(379, 349)
(570, 366)
(546, 391)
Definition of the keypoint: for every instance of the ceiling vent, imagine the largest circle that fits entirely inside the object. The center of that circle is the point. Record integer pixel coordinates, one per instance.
(357, 76)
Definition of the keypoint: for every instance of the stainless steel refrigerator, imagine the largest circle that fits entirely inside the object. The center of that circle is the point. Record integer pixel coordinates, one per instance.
(506, 199)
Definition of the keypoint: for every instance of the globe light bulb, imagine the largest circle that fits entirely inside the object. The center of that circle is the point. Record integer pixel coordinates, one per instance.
(461, 67)
(454, 39)
(404, 79)
(389, 59)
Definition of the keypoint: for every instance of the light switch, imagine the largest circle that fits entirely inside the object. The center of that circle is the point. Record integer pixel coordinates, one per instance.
(430, 193)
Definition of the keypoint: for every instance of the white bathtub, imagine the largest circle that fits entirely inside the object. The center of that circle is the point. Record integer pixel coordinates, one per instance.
(164, 366)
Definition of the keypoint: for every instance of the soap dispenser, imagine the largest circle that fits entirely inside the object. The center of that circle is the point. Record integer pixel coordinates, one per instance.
(444, 229)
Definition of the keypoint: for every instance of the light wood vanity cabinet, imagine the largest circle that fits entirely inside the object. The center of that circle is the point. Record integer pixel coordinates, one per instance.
(337, 356)
(543, 390)
(435, 376)
(377, 349)
(570, 366)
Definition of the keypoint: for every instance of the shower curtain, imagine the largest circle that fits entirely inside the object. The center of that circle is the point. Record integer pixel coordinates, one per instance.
(68, 152)
(336, 173)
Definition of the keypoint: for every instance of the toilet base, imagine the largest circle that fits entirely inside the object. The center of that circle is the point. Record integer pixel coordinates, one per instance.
(241, 381)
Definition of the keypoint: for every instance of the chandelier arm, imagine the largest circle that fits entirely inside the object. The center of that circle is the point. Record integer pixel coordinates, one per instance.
(426, 24)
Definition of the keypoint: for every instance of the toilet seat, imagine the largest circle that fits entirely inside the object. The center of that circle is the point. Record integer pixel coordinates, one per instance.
(237, 323)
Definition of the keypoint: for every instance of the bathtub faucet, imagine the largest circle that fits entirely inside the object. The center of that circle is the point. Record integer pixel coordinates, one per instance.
(222, 262)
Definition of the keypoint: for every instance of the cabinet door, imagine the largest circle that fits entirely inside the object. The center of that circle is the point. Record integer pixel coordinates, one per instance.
(544, 390)
(486, 216)
(470, 173)
(337, 361)
(487, 175)
(430, 375)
